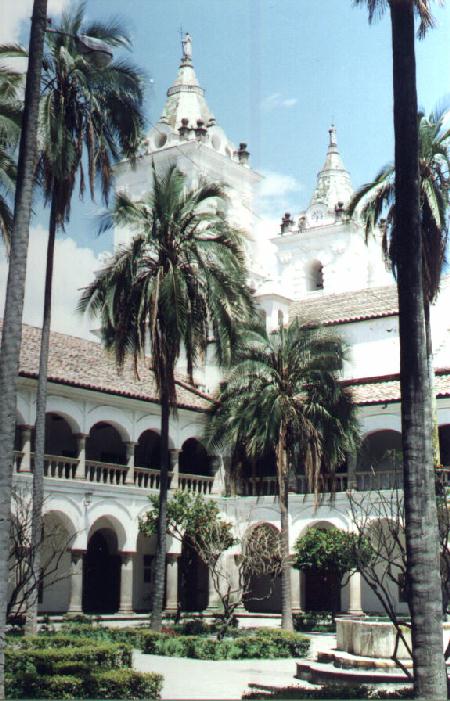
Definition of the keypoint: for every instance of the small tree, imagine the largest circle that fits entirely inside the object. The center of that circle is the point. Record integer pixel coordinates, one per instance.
(330, 551)
(196, 522)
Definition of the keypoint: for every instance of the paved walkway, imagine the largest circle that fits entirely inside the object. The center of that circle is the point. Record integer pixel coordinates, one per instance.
(228, 679)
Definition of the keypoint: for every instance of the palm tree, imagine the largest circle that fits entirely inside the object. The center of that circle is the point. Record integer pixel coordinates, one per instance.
(377, 199)
(15, 291)
(181, 276)
(421, 526)
(89, 118)
(283, 394)
(10, 119)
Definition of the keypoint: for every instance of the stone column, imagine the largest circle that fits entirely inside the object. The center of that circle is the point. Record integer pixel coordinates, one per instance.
(354, 606)
(81, 454)
(130, 462)
(172, 581)
(216, 466)
(174, 466)
(213, 597)
(76, 581)
(351, 471)
(126, 583)
(25, 432)
(295, 590)
(302, 591)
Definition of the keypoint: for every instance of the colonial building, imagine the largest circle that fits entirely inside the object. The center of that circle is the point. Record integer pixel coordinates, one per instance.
(102, 431)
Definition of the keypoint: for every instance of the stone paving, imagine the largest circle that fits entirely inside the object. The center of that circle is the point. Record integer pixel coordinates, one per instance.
(228, 679)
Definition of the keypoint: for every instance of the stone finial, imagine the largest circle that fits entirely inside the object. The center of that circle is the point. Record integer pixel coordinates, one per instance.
(243, 154)
(187, 48)
(302, 223)
(200, 131)
(286, 223)
(184, 129)
(339, 211)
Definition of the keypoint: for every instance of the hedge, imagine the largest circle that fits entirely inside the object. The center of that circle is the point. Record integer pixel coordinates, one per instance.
(112, 684)
(43, 660)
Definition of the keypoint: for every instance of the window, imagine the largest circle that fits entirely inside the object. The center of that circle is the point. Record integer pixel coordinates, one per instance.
(314, 276)
(280, 318)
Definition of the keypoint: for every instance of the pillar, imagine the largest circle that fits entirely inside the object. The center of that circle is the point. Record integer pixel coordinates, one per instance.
(216, 466)
(295, 590)
(172, 581)
(354, 606)
(126, 583)
(214, 601)
(25, 432)
(76, 581)
(81, 454)
(351, 471)
(174, 466)
(302, 591)
(130, 461)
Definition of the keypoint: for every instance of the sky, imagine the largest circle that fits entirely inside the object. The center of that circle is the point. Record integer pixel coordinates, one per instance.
(276, 74)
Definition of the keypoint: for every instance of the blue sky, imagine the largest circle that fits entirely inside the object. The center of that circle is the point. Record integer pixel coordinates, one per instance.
(276, 73)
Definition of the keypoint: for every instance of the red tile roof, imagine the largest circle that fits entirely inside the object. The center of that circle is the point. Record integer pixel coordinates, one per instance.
(346, 307)
(80, 363)
(383, 390)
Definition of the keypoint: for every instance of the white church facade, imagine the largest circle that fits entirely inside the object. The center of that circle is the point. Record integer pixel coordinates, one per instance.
(102, 432)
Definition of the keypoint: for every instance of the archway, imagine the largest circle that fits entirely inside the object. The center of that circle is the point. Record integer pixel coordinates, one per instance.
(444, 444)
(194, 460)
(381, 450)
(104, 444)
(322, 591)
(57, 539)
(193, 581)
(265, 589)
(101, 573)
(147, 452)
(59, 439)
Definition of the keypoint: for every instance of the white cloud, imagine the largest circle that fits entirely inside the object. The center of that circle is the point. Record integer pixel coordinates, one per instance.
(277, 185)
(74, 269)
(276, 100)
(14, 12)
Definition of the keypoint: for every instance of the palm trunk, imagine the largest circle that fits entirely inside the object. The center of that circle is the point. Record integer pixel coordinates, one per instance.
(421, 528)
(15, 291)
(435, 434)
(41, 406)
(159, 572)
(286, 598)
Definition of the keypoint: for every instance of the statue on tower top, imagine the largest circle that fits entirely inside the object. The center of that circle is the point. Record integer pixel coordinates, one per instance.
(187, 47)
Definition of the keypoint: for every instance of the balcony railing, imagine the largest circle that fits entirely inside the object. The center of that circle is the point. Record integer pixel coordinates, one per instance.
(96, 471)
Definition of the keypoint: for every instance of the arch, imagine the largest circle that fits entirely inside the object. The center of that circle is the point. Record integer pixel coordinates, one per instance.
(321, 589)
(193, 580)
(101, 572)
(108, 521)
(194, 458)
(113, 416)
(68, 409)
(380, 450)
(105, 444)
(59, 536)
(147, 452)
(444, 444)
(265, 589)
(383, 421)
(314, 276)
(59, 439)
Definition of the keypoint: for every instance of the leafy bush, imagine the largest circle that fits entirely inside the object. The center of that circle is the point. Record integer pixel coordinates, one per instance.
(317, 621)
(331, 691)
(126, 684)
(36, 686)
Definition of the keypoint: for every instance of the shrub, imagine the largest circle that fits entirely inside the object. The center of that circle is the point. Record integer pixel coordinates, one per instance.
(318, 621)
(103, 655)
(126, 684)
(36, 686)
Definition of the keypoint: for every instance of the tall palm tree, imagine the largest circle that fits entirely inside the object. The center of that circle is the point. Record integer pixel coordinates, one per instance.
(89, 118)
(421, 526)
(283, 394)
(377, 199)
(15, 292)
(10, 118)
(181, 276)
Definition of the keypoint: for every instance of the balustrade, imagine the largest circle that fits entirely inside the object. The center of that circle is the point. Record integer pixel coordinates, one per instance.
(66, 468)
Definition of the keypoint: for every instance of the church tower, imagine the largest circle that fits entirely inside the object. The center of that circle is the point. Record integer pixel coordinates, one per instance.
(322, 251)
(188, 136)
